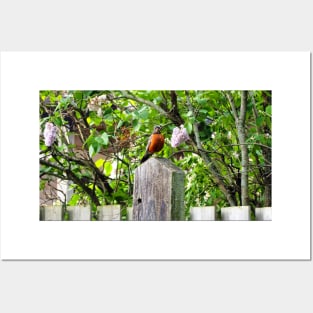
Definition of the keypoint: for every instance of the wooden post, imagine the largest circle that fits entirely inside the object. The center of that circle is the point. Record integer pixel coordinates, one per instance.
(130, 213)
(158, 191)
(236, 213)
(79, 213)
(109, 213)
(206, 213)
(263, 214)
(51, 213)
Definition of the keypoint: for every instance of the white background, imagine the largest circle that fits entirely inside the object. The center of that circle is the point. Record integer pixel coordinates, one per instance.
(141, 286)
(286, 74)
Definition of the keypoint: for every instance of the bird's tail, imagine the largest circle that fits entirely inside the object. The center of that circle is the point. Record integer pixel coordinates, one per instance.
(145, 157)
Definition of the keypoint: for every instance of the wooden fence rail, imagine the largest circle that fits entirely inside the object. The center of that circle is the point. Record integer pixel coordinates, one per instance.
(207, 213)
(80, 213)
(51, 213)
(236, 213)
(113, 213)
(263, 214)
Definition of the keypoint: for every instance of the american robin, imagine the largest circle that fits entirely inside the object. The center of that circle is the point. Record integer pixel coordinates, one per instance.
(155, 143)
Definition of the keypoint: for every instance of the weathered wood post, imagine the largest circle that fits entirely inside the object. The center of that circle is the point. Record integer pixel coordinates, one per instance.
(236, 213)
(79, 213)
(109, 213)
(263, 214)
(51, 213)
(206, 213)
(158, 191)
(130, 213)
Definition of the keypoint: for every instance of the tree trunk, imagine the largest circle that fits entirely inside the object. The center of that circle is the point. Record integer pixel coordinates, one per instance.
(267, 153)
(266, 173)
(244, 149)
(268, 179)
(244, 168)
(240, 125)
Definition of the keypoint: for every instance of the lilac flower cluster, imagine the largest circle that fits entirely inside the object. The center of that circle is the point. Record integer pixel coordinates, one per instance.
(179, 136)
(50, 134)
(95, 104)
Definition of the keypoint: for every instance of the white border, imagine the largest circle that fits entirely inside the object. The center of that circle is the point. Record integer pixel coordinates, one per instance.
(23, 74)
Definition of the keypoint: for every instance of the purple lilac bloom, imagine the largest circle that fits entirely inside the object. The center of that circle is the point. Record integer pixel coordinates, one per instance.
(50, 134)
(179, 136)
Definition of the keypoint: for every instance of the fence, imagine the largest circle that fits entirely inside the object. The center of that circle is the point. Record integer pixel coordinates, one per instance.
(235, 213)
(80, 213)
(158, 196)
(113, 213)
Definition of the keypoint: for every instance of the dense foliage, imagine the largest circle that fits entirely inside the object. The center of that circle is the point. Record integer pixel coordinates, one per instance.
(101, 136)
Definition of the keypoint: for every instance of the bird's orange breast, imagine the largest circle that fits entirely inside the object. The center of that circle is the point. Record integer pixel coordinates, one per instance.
(157, 143)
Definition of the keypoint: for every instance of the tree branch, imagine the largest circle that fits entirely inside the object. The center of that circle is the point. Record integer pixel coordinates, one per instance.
(173, 116)
(243, 108)
(232, 104)
(244, 149)
(245, 144)
(206, 159)
(75, 179)
(141, 100)
(182, 151)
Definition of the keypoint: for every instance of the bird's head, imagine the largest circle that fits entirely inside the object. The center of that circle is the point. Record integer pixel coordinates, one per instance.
(157, 129)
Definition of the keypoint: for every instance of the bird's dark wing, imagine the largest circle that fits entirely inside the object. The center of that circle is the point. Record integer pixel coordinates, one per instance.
(148, 144)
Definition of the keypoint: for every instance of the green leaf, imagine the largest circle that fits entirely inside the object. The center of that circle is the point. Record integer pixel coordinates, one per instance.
(94, 148)
(143, 113)
(42, 184)
(78, 95)
(99, 140)
(94, 119)
(136, 124)
(108, 112)
(43, 147)
(45, 169)
(108, 168)
(90, 139)
(64, 103)
(99, 163)
(269, 110)
(78, 115)
(62, 147)
(259, 121)
(105, 138)
(189, 127)
(57, 121)
(120, 123)
(120, 195)
(74, 199)
(202, 101)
